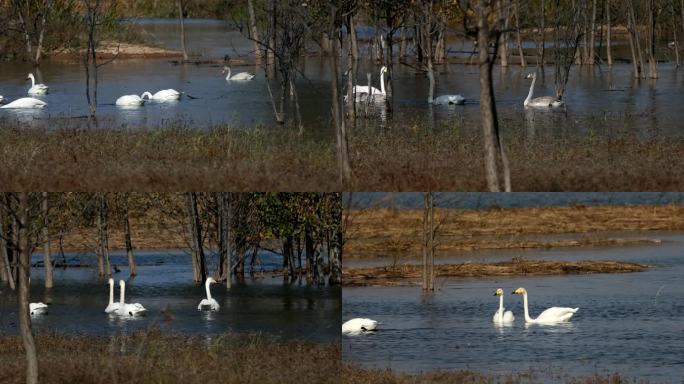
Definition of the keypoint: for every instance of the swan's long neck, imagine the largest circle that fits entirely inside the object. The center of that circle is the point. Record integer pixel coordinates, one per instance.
(382, 82)
(33, 80)
(228, 77)
(501, 307)
(206, 285)
(122, 292)
(111, 292)
(527, 312)
(529, 95)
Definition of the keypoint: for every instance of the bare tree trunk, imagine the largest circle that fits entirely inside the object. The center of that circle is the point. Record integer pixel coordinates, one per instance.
(254, 31)
(431, 242)
(270, 54)
(199, 273)
(608, 35)
(225, 229)
(343, 161)
(310, 257)
(426, 202)
(674, 33)
(351, 73)
(47, 259)
(543, 37)
(179, 3)
(24, 271)
(402, 45)
(104, 233)
(503, 15)
(652, 62)
(516, 13)
(634, 41)
(354, 46)
(5, 267)
(592, 54)
(133, 270)
(47, 7)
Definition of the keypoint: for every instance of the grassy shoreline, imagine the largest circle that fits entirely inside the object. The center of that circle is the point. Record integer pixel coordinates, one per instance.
(150, 357)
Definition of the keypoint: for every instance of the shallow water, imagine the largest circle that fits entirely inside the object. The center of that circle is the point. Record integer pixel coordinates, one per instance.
(164, 286)
(627, 323)
(599, 101)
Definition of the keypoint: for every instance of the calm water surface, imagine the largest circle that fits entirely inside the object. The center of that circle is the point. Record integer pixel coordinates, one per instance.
(164, 283)
(627, 323)
(599, 101)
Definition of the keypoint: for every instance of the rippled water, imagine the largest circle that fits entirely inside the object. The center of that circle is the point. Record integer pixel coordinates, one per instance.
(164, 284)
(599, 101)
(627, 323)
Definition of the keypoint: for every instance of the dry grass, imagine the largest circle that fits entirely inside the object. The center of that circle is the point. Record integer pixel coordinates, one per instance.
(407, 158)
(410, 274)
(357, 375)
(153, 358)
(386, 232)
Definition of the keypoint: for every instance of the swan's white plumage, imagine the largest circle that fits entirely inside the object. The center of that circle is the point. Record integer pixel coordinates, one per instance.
(128, 310)
(540, 102)
(363, 92)
(36, 89)
(448, 99)
(113, 306)
(237, 76)
(163, 96)
(359, 325)
(25, 103)
(550, 316)
(130, 101)
(37, 308)
(502, 316)
(209, 303)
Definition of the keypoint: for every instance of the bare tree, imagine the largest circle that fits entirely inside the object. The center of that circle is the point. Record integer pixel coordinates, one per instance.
(181, 17)
(516, 17)
(47, 259)
(199, 273)
(608, 35)
(133, 270)
(6, 274)
(653, 13)
(103, 231)
(33, 17)
(566, 36)
(254, 31)
(428, 241)
(25, 247)
(673, 14)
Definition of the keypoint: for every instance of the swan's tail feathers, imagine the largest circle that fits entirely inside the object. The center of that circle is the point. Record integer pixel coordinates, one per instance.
(575, 310)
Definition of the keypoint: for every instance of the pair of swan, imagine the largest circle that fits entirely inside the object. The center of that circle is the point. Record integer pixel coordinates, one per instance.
(122, 308)
(540, 102)
(163, 96)
(359, 325)
(550, 316)
(237, 76)
(363, 92)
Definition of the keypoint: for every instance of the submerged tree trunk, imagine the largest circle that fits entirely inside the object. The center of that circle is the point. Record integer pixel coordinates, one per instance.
(181, 23)
(608, 35)
(591, 36)
(516, 15)
(24, 272)
(344, 164)
(133, 270)
(104, 234)
(199, 273)
(652, 62)
(47, 259)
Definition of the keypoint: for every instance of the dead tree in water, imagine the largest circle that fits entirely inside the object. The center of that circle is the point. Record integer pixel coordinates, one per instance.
(428, 241)
(199, 273)
(47, 259)
(25, 247)
(609, 54)
(652, 62)
(133, 270)
(566, 35)
(181, 16)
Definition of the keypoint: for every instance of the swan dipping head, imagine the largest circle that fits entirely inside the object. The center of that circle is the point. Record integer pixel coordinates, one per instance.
(519, 291)
(498, 292)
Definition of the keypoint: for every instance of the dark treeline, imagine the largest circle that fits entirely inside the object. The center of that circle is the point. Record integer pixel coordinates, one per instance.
(304, 229)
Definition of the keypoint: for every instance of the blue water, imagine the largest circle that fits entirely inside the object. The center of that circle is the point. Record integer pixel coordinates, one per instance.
(627, 323)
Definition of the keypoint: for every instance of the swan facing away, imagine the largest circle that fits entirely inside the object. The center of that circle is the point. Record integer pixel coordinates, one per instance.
(128, 310)
(113, 306)
(237, 76)
(502, 316)
(130, 101)
(25, 103)
(448, 99)
(163, 95)
(36, 89)
(37, 308)
(363, 92)
(209, 303)
(359, 325)
(549, 316)
(540, 102)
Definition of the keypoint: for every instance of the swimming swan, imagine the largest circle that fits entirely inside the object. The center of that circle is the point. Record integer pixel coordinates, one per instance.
(502, 316)
(163, 95)
(237, 76)
(359, 325)
(362, 92)
(130, 101)
(36, 89)
(25, 103)
(37, 308)
(540, 102)
(447, 99)
(549, 316)
(135, 309)
(112, 307)
(209, 302)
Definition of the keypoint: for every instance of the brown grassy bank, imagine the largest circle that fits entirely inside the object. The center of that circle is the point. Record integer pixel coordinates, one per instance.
(411, 274)
(261, 159)
(153, 358)
(353, 374)
(385, 232)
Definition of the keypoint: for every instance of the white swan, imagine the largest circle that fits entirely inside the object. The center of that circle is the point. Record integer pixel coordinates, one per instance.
(2, 99)
(237, 76)
(135, 309)
(448, 99)
(163, 95)
(130, 101)
(37, 308)
(502, 316)
(540, 102)
(25, 103)
(208, 303)
(113, 306)
(359, 325)
(36, 89)
(362, 92)
(549, 316)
